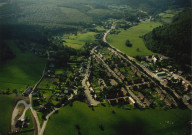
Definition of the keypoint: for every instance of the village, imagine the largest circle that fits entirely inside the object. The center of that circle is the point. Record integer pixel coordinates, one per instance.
(106, 77)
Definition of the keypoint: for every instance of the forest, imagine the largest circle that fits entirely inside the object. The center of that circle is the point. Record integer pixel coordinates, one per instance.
(36, 21)
(173, 40)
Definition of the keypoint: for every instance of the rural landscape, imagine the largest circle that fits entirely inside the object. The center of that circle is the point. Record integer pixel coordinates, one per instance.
(95, 67)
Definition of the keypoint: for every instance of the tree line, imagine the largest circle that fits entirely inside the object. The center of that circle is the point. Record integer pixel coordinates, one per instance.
(173, 40)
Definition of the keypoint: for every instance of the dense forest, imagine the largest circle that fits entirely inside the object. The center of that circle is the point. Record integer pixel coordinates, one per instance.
(173, 40)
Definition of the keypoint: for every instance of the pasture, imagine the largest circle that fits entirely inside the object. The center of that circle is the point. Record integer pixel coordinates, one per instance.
(6, 104)
(168, 15)
(78, 41)
(116, 121)
(133, 34)
(25, 69)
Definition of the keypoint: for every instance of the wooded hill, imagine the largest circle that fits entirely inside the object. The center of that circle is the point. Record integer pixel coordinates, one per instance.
(173, 40)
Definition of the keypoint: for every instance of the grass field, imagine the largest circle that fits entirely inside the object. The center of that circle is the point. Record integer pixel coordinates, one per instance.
(123, 122)
(6, 104)
(25, 69)
(168, 15)
(78, 41)
(133, 35)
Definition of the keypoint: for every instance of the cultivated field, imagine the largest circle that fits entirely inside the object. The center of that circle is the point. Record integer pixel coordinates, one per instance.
(133, 34)
(149, 122)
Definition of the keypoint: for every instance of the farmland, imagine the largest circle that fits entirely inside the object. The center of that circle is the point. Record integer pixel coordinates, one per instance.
(133, 34)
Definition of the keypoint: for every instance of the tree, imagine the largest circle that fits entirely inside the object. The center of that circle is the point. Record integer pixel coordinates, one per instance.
(128, 43)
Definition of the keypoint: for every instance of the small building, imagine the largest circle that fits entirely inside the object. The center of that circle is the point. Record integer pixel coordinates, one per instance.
(88, 84)
(122, 77)
(154, 59)
(91, 89)
(161, 75)
(147, 102)
(162, 97)
(131, 100)
(141, 96)
(167, 102)
(158, 90)
(124, 91)
(113, 82)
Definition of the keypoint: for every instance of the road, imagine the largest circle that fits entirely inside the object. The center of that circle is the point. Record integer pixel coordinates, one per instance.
(15, 113)
(131, 59)
(45, 121)
(87, 73)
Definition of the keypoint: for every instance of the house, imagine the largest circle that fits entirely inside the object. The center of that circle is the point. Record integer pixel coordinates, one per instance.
(167, 102)
(147, 102)
(88, 84)
(162, 97)
(158, 91)
(141, 96)
(51, 65)
(116, 70)
(154, 59)
(138, 74)
(124, 91)
(113, 82)
(161, 75)
(132, 102)
(108, 74)
(122, 77)
(102, 84)
(95, 96)
(91, 89)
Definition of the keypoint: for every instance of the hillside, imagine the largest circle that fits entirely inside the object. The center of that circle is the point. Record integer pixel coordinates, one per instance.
(173, 40)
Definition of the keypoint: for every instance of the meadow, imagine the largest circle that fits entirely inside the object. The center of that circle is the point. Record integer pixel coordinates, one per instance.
(25, 69)
(116, 121)
(6, 104)
(133, 34)
(78, 41)
(168, 15)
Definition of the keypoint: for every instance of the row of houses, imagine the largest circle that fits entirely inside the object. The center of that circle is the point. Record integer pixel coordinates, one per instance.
(163, 97)
(119, 74)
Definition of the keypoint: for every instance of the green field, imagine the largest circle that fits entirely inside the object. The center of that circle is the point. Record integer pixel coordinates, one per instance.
(133, 35)
(78, 41)
(123, 122)
(168, 15)
(6, 104)
(26, 68)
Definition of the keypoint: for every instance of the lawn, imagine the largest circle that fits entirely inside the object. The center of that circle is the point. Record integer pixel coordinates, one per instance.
(6, 104)
(26, 68)
(133, 35)
(78, 41)
(123, 122)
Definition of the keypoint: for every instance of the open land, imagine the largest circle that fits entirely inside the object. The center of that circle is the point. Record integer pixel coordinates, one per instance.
(133, 34)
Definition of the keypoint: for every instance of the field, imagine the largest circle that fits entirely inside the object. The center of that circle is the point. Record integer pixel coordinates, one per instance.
(122, 122)
(133, 35)
(168, 15)
(78, 41)
(24, 69)
(6, 104)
